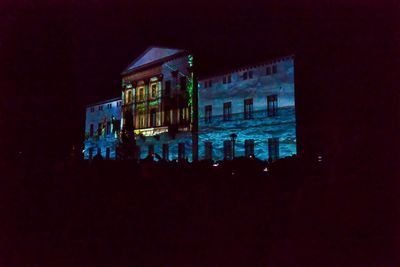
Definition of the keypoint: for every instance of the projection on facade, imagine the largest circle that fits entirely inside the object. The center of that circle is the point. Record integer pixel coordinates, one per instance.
(247, 112)
(102, 129)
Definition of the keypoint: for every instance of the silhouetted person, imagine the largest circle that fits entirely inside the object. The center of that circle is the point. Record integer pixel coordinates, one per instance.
(158, 157)
(98, 157)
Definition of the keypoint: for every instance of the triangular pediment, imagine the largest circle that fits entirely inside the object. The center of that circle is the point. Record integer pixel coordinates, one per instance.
(152, 55)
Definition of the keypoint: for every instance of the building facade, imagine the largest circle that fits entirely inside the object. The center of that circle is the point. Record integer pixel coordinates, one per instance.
(249, 112)
(157, 93)
(102, 129)
(246, 112)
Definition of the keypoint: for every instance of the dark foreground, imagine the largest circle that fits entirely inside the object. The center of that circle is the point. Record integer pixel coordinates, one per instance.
(299, 213)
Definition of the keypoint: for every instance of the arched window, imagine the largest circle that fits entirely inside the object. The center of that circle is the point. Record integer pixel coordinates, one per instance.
(141, 94)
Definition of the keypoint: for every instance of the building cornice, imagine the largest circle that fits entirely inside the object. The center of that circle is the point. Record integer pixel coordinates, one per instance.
(246, 67)
(103, 102)
(154, 63)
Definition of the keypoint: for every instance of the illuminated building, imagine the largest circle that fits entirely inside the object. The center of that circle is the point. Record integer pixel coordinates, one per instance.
(157, 92)
(246, 112)
(255, 104)
(102, 129)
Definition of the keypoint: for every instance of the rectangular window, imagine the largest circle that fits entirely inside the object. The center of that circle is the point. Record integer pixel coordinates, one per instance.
(227, 111)
(208, 113)
(153, 118)
(208, 150)
(92, 109)
(167, 88)
(153, 90)
(116, 124)
(249, 147)
(274, 69)
(108, 130)
(98, 152)
(173, 116)
(226, 79)
(183, 83)
(101, 107)
(107, 153)
(129, 97)
(227, 149)
(91, 153)
(99, 129)
(248, 108)
(208, 83)
(167, 115)
(272, 105)
(151, 150)
(165, 151)
(181, 151)
(268, 70)
(273, 148)
(91, 130)
(250, 74)
(109, 106)
(244, 75)
(141, 94)
(182, 117)
(142, 119)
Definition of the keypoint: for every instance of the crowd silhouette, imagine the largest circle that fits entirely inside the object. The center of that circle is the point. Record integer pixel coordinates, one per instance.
(243, 212)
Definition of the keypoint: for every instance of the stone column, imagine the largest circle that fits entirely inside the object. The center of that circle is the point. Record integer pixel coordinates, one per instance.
(195, 119)
(146, 104)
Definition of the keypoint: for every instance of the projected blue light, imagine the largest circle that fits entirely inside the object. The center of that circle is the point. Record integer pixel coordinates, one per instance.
(248, 112)
(102, 129)
(260, 110)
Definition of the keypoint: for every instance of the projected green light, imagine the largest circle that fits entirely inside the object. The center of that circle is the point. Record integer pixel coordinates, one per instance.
(153, 102)
(190, 85)
(140, 106)
(190, 91)
(190, 60)
(190, 88)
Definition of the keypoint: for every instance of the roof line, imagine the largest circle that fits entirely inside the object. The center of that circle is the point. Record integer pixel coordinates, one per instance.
(103, 102)
(244, 67)
(154, 63)
(142, 54)
(126, 70)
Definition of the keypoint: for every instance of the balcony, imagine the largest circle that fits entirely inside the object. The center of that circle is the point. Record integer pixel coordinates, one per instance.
(151, 131)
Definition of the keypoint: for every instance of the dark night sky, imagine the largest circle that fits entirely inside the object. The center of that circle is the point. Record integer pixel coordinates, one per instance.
(57, 56)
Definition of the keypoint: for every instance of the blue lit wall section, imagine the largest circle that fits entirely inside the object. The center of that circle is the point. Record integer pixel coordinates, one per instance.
(255, 103)
(273, 81)
(172, 142)
(106, 114)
